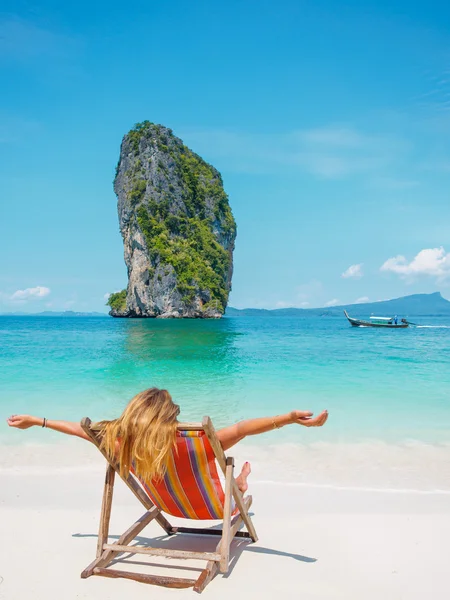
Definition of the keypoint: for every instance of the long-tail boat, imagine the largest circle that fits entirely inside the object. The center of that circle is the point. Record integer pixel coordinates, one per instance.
(389, 322)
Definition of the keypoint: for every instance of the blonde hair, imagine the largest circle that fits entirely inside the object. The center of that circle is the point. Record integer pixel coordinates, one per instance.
(143, 436)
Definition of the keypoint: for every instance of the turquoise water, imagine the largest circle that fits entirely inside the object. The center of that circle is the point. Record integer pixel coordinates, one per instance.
(384, 385)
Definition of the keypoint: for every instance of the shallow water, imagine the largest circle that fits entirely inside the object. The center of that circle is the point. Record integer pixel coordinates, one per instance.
(382, 385)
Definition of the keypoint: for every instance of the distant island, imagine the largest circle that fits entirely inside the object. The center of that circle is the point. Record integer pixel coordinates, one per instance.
(414, 305)
(177, 228)
(55, 313)
(417, 305)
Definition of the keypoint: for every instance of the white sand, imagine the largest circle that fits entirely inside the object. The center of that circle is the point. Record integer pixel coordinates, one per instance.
(315, 541)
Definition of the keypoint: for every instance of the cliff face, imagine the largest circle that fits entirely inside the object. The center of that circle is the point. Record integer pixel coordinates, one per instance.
(177, 228)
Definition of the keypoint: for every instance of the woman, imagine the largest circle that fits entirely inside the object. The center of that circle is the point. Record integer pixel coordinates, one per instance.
(145, 433)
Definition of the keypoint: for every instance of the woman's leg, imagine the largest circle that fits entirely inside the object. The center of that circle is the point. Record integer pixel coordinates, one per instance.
(241, 479)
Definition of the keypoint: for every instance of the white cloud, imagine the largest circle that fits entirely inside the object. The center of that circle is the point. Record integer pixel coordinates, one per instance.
(30, 293)
(434, 262)
(362, 300)
(353, 271)
(333, 302)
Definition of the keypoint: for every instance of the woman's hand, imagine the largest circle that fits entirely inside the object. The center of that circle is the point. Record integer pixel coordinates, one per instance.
(27, 421)
(23, 421)
(306, 418)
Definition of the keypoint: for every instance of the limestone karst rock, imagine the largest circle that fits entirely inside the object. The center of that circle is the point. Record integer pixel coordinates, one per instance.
(177, 228)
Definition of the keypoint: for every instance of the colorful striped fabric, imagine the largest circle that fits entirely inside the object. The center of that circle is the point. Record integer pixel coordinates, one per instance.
(191, 487)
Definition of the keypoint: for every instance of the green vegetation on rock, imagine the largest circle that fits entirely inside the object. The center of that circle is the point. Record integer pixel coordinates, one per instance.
(187, 244)
(185, 239)
(138, 191)
(178, 203)
(118, 301)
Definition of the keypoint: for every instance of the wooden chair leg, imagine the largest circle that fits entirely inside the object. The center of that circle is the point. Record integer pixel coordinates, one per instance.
(107, 555)
(213, 566)
(206, 576)
(240, 502)
(221, 459)
(238, 520)
(105, 513)
(226, 538)
(169, 582)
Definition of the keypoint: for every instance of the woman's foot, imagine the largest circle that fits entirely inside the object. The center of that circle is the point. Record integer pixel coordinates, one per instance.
(241, 480)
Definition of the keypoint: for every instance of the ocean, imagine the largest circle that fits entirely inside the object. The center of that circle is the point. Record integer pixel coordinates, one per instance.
(387, 391)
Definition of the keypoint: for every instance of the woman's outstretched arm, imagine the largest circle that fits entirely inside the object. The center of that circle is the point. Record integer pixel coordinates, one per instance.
(27, 421)
(229, 436)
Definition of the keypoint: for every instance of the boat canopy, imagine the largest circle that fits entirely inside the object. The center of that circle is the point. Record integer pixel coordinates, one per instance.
(382, 318)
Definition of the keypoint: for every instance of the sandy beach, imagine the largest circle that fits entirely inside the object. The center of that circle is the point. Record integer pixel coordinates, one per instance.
(237, 210)
(315, 541)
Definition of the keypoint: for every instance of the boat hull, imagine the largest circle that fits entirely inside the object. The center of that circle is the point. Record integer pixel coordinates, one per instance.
(359, 323)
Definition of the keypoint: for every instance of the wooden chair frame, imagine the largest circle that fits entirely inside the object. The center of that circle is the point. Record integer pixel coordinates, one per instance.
(215, 561)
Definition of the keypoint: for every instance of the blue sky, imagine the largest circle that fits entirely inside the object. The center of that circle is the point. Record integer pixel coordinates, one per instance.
(330, 123)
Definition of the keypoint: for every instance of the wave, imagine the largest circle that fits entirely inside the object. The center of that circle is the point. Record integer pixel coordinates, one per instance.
(432, 326)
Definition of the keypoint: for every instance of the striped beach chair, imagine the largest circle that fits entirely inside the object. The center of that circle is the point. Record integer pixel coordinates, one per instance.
(191, 489)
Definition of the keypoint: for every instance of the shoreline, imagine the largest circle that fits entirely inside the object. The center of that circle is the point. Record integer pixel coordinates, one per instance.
(415, 468)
